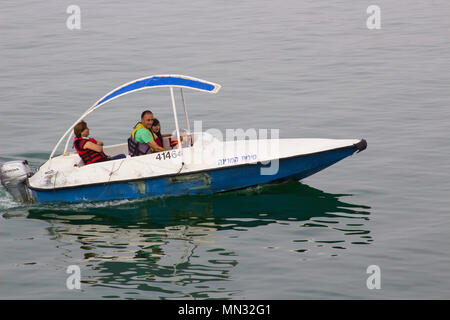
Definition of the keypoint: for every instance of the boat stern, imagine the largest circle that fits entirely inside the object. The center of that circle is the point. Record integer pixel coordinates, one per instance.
(14, 177)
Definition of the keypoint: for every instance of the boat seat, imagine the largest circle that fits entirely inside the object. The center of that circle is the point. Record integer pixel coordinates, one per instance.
(79, 163)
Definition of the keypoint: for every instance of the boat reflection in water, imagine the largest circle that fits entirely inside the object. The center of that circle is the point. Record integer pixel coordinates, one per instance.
(186, 247)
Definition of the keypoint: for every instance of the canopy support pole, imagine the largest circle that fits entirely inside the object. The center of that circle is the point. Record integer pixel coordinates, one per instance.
(176, 120)
(91, 109)
(188, 125)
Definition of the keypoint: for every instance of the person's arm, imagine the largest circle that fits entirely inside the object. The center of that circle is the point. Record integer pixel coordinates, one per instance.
(100, 142)
(155, 146)
(145, 136)
(93, 146)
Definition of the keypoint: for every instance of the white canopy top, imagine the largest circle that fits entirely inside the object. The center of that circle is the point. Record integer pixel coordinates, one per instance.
(149, 82)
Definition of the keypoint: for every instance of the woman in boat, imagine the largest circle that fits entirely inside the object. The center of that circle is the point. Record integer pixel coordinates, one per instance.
(89, 149)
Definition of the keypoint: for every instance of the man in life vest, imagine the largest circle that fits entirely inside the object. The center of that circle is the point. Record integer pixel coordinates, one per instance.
(143, 140)
(89, 149)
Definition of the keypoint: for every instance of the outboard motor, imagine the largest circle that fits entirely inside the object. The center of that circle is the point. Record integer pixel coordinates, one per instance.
(14, 175)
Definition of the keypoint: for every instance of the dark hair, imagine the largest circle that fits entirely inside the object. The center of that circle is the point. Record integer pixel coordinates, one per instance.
(155, 122)
(79, 128)
(145, 112)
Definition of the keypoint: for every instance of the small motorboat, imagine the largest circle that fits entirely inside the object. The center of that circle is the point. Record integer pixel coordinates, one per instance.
(200, 163)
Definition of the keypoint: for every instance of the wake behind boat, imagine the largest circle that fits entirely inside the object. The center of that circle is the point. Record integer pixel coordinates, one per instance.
(199, 164)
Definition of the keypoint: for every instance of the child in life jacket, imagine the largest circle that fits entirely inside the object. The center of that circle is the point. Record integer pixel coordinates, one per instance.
(156, 129)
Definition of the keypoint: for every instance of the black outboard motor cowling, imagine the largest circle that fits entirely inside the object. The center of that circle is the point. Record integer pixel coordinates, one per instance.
(14, 175)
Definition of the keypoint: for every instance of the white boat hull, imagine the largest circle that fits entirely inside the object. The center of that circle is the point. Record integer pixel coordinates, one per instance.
(209, 166)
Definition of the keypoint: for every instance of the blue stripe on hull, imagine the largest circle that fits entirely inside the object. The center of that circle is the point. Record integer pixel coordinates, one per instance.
(208, 182)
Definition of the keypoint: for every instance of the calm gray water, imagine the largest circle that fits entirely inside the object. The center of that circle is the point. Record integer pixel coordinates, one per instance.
(309, 68)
